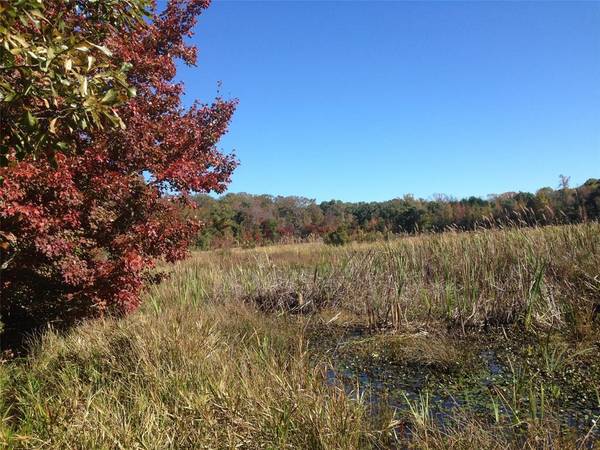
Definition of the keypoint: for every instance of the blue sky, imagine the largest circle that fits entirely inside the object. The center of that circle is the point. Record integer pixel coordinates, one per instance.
(373, 100)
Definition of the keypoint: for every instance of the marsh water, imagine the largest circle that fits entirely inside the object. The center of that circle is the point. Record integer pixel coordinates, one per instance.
(500, 376)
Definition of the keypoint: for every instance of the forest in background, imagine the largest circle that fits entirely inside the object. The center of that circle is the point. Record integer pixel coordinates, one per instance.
(248, 220)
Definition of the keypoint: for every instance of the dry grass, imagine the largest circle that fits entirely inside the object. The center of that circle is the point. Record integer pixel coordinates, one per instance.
(542, 277)
(185, 378)
(216, 360)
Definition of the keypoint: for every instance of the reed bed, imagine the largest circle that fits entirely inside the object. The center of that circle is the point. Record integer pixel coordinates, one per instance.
(540, 277)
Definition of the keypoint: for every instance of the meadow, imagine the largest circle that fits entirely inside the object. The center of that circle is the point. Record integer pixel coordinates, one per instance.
(481, 339)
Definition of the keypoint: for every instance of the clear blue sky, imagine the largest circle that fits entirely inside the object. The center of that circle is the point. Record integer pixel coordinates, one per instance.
(374, 100)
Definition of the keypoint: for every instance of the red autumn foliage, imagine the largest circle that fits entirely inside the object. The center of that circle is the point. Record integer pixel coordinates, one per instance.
(78, 240)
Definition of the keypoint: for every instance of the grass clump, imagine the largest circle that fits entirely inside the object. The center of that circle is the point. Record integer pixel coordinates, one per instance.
(187, 378)
(421, 349)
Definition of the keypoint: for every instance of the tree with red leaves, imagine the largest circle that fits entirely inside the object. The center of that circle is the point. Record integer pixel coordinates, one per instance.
(78, 239)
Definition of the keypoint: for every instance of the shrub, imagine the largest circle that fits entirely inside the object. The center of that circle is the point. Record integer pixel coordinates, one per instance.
(337, 237)
(77, 240)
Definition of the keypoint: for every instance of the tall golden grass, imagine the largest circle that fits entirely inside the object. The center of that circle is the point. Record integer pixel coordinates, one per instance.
(540, 277)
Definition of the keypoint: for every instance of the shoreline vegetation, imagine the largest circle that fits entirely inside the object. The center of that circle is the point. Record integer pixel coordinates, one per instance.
(246, 220)
(484, 339)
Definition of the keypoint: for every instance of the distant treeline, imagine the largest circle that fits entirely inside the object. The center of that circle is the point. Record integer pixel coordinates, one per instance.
(248, 220)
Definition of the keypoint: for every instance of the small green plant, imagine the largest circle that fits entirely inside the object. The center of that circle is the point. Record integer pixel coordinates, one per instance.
(337, 237)
(420, 410)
